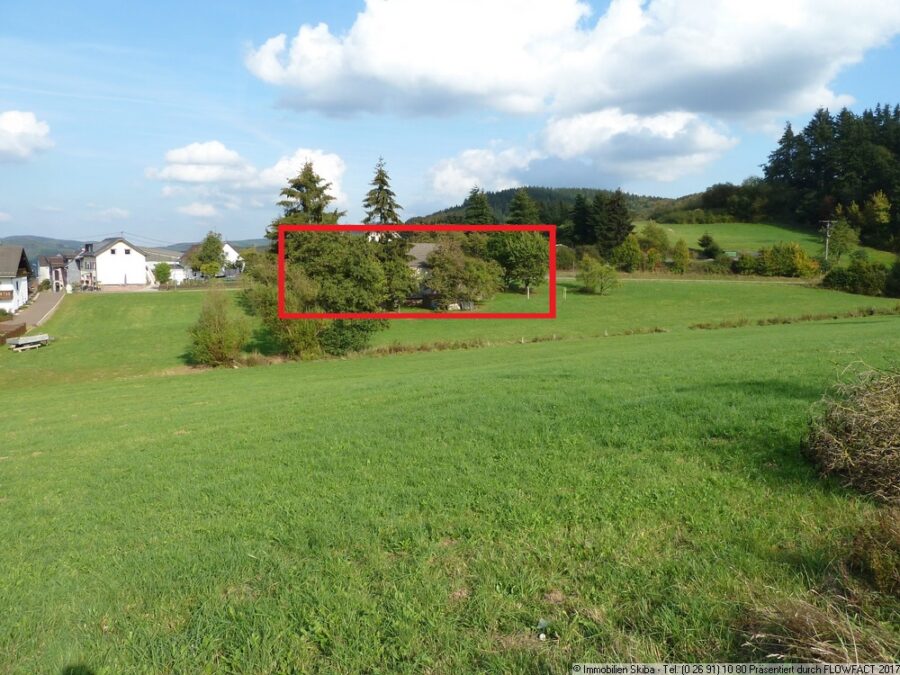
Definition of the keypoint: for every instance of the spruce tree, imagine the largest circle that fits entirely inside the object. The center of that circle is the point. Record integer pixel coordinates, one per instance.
(617, 224)
(582, 228)
(597, 216)
(380, 204)
(306, 197)
(523, 210)
(478, 209)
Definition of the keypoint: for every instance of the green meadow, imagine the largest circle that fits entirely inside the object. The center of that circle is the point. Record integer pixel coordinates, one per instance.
(421, 511)
(753, 236)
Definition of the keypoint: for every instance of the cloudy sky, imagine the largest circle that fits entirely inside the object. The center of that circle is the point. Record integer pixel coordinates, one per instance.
(168, 119)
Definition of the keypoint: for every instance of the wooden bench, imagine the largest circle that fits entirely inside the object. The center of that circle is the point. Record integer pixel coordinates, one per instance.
(21, 344)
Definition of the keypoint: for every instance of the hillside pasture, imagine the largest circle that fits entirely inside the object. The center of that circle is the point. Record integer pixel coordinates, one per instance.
(753, 236)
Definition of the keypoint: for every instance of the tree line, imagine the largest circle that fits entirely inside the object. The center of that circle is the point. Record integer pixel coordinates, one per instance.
(843, 166)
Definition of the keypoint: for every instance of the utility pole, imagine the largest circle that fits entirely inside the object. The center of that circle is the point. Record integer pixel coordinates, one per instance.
(826, 228)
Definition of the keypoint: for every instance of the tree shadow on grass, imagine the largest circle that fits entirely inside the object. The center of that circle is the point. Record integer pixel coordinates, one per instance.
(78, 669)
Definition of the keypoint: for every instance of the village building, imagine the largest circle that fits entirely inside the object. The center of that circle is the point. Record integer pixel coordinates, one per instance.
(60, 270)
(14, 272)
(232, 266)
(170, 256)
(112, 262)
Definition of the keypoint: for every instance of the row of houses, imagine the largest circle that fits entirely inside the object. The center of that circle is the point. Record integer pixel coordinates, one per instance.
(118, 262)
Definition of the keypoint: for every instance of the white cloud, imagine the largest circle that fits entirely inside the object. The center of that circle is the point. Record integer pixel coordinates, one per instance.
(198, 210)
(211, 173)
(210, 152)
(211, 170)
(725, 58)
(606, 142)
(660, 147)
(21, 135)
(5, 217)
(487, 168)
(328, 165)
(208, 162)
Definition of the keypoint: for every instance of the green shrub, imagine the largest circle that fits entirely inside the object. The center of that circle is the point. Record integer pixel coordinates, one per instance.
(862, 276)
(565, 257)
(44, 285)
(596, 277)
(219, 334)
(627, 256)
(786, 260)
(745, 263)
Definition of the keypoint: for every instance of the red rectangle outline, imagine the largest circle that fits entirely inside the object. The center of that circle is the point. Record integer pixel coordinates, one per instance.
(549, 229)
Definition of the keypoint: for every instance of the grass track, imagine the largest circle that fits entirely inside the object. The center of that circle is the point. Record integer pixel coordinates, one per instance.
(419, 511)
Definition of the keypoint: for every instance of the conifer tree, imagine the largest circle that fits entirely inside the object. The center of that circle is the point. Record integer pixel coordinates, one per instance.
(617, 224)
(523, 209)
(380, 204)
(597, 216)
(581, 221)
(306, 198)
(478, 209)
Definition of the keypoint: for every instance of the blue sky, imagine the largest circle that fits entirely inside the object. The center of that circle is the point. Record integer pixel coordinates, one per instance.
(169, 119)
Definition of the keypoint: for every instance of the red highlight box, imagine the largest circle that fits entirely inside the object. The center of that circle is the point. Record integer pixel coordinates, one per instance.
(549, 229)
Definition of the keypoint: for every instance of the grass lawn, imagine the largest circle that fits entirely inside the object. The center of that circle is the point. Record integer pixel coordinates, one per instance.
(124, 335)
(753, 236)
(418, 511)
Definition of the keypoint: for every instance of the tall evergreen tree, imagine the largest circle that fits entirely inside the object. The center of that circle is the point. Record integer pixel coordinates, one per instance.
(478, 209)
(583, 230)
(617, 224)
(305, 200)
(597, 216)
(380, 204)
(523, 209)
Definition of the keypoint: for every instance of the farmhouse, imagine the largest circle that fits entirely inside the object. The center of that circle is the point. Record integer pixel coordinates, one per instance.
(418, 255)
(233, 262)
(113, 261)
(14, 273)
(165, 255)
(60, 270)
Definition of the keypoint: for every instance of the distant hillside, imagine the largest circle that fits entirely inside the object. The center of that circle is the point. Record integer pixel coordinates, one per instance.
(38, 246)
(555, 204)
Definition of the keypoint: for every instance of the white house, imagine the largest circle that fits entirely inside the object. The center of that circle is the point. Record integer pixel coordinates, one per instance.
(113, 262)
(165, 255)
(14, 270)
(233, 262)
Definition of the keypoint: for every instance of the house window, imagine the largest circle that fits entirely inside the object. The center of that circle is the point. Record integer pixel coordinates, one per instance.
(127, 251)
(112, 251)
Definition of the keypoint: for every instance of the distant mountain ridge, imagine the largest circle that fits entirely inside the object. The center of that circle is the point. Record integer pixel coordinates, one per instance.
(37, 246)
(554, 203)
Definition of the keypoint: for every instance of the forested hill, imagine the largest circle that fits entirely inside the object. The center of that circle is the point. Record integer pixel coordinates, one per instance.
(555, 205)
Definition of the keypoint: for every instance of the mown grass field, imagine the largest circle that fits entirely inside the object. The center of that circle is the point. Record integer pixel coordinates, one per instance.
(418, 511)
(753, 236)
(102, 337)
